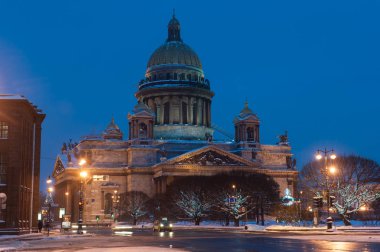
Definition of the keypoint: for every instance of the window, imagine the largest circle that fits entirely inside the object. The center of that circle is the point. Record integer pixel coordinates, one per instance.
(108, 203)
(250, 134)
(3, 130)
(142, 130)
(3, 169)
(166, 113)
(195, 115)
(184, 113)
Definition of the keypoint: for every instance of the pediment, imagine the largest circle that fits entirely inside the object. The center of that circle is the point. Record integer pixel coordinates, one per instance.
(58, 167)
(143, 113)
(209, 156)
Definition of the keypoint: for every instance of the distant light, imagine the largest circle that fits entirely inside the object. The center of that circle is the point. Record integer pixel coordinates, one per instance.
(67, 193)
(82, 162)
(50, 189)
(332, 169)
(363, 208)
(233, 186)
(333, 156)
(318, 156)
(83, 174)
(49, 181)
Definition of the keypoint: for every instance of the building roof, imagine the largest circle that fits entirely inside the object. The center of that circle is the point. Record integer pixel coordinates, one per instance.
(112, 131)
(246, 114)
(174, 51)
(22, 99)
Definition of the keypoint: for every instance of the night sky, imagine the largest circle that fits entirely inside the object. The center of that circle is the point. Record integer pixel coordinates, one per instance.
(309, 67)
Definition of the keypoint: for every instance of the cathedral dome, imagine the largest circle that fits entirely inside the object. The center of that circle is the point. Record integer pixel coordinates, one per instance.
(174, 52)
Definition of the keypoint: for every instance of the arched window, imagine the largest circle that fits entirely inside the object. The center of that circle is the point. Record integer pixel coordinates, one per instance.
(108, 203)
(182, 76)
(184, 113)
(250, 134)
(142, 130)
(175, 76)
(168, 76)
(189, 77)
(166, 113)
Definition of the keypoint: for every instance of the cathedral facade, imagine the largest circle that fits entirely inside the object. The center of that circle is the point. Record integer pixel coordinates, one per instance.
(170, 136)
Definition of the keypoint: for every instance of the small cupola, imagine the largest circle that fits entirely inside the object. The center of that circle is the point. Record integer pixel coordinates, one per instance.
(174, 30)
(112, 131)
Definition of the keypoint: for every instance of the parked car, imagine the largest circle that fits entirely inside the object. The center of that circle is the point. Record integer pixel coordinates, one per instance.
(162, 225)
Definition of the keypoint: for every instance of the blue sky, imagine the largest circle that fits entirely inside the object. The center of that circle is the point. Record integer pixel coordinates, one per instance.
(309, 67)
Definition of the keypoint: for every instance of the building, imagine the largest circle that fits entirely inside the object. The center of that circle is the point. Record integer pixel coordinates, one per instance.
(170, 136)
(20, 146)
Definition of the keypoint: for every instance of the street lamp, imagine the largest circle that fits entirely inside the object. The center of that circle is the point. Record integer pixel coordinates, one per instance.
(326, 155)
(49, 202)
(83, 175)
(116, 200)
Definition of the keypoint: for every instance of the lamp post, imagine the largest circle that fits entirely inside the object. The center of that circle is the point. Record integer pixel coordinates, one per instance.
(48, 202)
(83, 175)
(116, 200)
(327, 155)
(67, 202)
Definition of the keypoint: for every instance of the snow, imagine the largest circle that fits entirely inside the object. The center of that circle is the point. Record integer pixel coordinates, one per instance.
(131, 249)
(11, 97)
(335, 237)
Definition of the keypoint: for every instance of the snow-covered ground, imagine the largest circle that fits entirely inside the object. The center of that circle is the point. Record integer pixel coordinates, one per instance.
(131, 249)
(335, 238)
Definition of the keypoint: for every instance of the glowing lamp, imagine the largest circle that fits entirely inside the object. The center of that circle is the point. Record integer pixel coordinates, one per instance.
(83, 174)
(332, 169)
(82, 161)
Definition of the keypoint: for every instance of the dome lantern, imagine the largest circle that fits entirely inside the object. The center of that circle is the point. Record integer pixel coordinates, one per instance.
(174, 29)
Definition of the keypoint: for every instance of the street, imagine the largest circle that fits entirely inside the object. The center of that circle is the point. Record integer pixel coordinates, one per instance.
(190, 240)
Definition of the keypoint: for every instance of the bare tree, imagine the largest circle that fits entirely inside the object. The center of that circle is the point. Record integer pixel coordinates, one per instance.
(134, 204)
(195, 204)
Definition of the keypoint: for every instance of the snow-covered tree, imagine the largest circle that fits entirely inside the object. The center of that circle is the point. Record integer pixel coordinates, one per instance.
(195, 204)
(134, 204)
(352, 197)
(353, 184)
(235, 205)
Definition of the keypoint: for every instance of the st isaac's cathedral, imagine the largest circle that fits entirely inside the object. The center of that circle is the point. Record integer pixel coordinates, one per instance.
(170, 136)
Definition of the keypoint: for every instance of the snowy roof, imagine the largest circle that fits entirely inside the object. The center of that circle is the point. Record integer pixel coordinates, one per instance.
(12, 97)
(246, 113)
(112, 131)
(141, 108)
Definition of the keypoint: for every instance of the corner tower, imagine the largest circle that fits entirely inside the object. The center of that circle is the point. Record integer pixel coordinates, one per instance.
(176, 90)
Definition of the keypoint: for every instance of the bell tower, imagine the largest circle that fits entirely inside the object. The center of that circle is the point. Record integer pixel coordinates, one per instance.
(141, 122)
(247, 132)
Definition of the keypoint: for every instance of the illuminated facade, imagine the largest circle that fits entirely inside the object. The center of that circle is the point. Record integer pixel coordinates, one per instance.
(170, 136)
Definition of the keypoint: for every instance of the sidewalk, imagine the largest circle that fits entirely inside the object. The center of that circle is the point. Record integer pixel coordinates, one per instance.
(39, 236)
